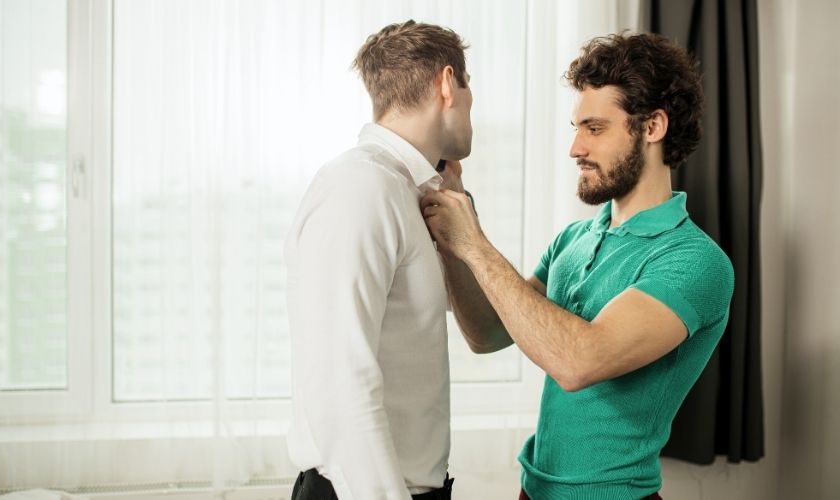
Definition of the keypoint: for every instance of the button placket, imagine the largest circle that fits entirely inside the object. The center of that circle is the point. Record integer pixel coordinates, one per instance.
(594, 254)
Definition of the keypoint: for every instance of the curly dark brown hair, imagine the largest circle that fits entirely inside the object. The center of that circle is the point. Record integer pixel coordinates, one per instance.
(651, 73)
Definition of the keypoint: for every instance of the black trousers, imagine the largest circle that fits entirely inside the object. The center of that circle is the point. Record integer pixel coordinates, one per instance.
(312, 486)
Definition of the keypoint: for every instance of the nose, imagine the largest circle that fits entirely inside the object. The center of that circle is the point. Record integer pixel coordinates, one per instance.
(577, 150)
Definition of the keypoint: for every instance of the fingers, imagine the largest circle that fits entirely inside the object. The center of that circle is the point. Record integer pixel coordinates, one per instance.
(430, 198)
(452, 197)
(446, 198)
(442, 197)
(430, 211)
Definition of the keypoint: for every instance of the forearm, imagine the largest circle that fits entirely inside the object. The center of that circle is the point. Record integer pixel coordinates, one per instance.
(481, 326)
(553, 338)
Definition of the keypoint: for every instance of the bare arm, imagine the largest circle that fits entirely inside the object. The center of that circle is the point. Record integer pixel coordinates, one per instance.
(480, 325)
(479, 322)
(633, 330)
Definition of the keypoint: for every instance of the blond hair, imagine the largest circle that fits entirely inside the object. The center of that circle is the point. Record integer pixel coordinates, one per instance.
(399, 63)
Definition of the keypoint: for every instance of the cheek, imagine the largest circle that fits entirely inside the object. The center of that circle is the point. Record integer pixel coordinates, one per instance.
(611, 152)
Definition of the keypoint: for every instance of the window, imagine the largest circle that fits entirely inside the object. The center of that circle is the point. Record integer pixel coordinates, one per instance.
(148, 228)
(33, 211)
(151, 221)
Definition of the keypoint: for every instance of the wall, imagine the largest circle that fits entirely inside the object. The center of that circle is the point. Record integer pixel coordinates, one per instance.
(810, 122)
(800, 75)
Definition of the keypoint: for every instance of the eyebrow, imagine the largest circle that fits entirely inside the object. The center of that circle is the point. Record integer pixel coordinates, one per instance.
(590, 121)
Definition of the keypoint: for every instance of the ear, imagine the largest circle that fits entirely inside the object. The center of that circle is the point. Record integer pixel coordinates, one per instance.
(447, 84)
(656, 126)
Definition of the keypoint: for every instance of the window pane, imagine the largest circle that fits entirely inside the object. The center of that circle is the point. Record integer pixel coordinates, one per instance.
(33, 229)
(223, 111)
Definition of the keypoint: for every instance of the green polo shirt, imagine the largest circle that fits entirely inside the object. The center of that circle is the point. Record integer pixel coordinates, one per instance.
(603, 442)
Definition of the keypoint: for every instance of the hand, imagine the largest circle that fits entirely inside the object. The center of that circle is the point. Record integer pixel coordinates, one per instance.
(452, 222)
(452, 176)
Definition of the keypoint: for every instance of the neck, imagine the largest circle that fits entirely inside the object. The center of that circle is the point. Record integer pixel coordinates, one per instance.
(419, 128)
(653, 188)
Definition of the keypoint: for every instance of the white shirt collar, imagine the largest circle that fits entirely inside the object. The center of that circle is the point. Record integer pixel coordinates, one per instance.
(422, 172)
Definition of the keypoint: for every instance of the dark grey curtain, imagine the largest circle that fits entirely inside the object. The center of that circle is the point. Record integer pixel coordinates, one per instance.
(723, 414)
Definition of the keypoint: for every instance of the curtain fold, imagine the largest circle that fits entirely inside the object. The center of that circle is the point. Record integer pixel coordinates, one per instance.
(723, 414)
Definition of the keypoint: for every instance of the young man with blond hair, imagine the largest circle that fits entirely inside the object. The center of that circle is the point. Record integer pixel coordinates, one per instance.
(366, 294)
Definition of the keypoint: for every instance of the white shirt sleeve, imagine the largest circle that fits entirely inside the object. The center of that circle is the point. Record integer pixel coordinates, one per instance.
(348, 247)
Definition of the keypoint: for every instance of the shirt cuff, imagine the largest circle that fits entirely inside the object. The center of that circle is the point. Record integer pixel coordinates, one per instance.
(673, 300)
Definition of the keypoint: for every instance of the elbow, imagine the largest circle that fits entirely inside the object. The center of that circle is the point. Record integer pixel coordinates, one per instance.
(477, 348)
(579, 368)
(573, 385)
(571, 381)
(570, 385)
(496, 341)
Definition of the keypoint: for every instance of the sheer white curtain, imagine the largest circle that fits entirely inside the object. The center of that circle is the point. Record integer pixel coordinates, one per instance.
(221, 112)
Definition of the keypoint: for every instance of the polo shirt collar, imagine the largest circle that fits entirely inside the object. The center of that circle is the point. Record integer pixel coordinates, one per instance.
(422, 172)
(650, 222)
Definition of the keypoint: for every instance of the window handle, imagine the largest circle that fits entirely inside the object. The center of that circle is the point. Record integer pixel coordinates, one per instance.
(78, 176)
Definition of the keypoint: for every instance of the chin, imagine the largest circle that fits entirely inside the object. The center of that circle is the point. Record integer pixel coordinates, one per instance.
(467, 149)
(459, 154)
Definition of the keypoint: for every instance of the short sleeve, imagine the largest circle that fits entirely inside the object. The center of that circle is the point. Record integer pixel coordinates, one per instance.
(694, 278)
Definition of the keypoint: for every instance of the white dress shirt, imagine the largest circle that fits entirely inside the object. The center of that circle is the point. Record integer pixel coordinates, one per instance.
(367, 314)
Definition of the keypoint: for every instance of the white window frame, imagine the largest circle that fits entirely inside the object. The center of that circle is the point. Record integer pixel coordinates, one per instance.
(74, 400)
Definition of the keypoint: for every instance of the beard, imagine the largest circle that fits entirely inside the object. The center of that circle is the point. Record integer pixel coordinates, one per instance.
(618, 182)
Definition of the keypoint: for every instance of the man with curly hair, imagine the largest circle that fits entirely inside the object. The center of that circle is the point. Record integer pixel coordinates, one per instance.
(366, 294)
(624, 310)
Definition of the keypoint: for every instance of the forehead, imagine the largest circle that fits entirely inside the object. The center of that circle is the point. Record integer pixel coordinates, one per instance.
(598, 104)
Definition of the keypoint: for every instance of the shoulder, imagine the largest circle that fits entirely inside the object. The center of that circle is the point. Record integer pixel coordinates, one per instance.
(694, 239)
(362, 180)
(574, 231)
(362, 170)
(355, 195)
(693, 252)
(578, 227)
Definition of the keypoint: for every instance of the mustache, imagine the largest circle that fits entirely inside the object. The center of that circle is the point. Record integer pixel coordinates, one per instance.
(581, 161)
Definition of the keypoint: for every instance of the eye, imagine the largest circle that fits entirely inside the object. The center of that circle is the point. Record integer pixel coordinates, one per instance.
(595, 130)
